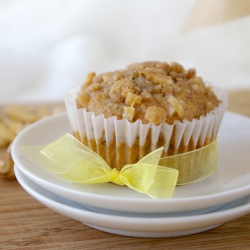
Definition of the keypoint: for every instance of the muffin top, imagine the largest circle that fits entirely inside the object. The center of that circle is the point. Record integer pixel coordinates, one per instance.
(151, 91)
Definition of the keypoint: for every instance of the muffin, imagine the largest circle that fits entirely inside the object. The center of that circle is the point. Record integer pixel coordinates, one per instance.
(126, 114)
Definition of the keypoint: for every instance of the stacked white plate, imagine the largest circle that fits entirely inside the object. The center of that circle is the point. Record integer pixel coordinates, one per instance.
(197, 207)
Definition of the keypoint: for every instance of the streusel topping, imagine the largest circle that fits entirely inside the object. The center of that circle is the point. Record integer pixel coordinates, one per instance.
(151, 91)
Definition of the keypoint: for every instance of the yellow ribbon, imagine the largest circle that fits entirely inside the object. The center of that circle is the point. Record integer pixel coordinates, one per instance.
(73, 161)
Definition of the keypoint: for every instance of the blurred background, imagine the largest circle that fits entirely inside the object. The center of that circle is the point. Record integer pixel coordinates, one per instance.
(48, 46)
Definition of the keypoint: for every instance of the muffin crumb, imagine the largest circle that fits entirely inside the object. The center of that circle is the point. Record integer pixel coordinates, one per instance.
(156, 115)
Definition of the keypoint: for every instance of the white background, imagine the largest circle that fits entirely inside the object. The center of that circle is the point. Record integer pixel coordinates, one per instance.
(48, 46)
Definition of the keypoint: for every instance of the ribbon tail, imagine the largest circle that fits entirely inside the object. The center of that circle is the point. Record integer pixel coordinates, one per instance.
(164, 183)
(152, 180)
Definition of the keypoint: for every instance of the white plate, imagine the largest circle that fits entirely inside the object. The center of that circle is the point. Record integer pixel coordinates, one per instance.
(231, 181)
(133, 225)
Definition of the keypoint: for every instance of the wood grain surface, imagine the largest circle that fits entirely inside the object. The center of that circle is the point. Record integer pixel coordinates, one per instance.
(26, 224)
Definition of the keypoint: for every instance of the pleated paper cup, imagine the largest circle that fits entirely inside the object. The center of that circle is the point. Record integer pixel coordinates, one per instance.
(121, 142)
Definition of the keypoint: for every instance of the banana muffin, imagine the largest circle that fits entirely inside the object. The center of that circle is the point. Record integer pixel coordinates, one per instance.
(125, 114)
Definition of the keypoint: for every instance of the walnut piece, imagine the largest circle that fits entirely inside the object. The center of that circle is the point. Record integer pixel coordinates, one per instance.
(133, 99)
(89, 78)
(176, 105)
(129, 113)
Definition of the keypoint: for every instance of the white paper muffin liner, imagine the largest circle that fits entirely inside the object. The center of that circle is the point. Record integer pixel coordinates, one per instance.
(95, 130)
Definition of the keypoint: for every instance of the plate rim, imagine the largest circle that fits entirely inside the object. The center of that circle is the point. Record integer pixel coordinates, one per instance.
(157, 224)
(245, 189)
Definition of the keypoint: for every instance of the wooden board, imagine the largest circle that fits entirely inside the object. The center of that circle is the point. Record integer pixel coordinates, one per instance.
(27, 224)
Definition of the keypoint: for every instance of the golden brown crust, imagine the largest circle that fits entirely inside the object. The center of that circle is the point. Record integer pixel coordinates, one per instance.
(151, 91)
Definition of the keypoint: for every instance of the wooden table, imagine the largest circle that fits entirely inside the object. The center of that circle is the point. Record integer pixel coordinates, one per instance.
(27, 224)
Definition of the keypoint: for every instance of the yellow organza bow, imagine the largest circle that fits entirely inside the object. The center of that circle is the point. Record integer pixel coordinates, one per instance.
(73, 161)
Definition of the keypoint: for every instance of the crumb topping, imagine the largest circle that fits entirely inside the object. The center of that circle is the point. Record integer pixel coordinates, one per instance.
(151, 91)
